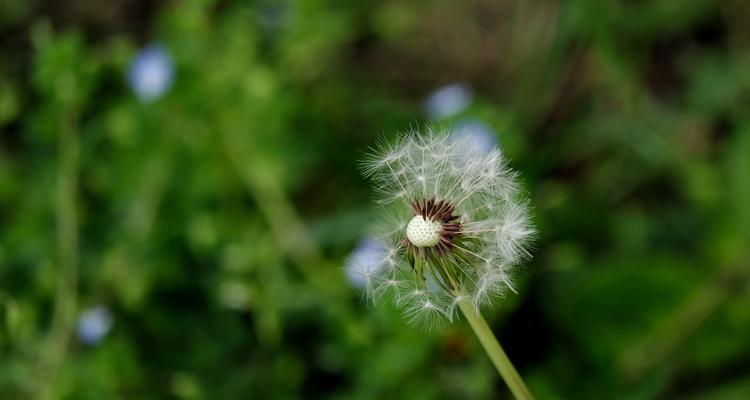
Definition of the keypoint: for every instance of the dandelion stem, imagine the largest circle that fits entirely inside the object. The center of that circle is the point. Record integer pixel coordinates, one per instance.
(495, 351)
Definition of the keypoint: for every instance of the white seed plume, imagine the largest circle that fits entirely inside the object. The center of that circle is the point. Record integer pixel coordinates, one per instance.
(455, 224)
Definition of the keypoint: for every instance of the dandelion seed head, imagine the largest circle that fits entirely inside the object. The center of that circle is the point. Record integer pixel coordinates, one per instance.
(456, 219)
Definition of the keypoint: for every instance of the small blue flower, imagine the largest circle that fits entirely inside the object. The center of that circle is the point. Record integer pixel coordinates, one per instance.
(151, 73)
(365, 262)
(93, 325)
(482, 139)
(273, 16)
(448, 101)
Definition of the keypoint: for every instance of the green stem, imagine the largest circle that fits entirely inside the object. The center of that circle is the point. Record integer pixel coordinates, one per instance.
(672, 331)
(63, 318)
(495, 352)
(280, 214)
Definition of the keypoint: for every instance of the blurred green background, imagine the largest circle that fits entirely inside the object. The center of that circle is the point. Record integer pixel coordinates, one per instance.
(188, 241)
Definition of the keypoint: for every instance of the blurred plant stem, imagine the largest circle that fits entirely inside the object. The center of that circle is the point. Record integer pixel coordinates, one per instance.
(63, 318)
(279, 213)
(286, 225)
(495, 351)
(158, 168)
(665, 337)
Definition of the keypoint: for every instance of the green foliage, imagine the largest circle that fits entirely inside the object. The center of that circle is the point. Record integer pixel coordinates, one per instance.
(213, 222)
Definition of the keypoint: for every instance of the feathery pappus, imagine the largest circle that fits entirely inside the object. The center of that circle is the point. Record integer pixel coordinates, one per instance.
(455, 224)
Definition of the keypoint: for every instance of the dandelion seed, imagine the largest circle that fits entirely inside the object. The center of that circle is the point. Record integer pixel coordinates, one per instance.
(457, 220)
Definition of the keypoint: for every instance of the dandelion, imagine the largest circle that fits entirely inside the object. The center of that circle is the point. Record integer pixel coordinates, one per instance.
(456, 226)
(457, 223)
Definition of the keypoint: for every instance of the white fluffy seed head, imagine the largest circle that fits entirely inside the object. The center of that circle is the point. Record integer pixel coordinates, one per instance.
(423, 232)
(493, 216)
